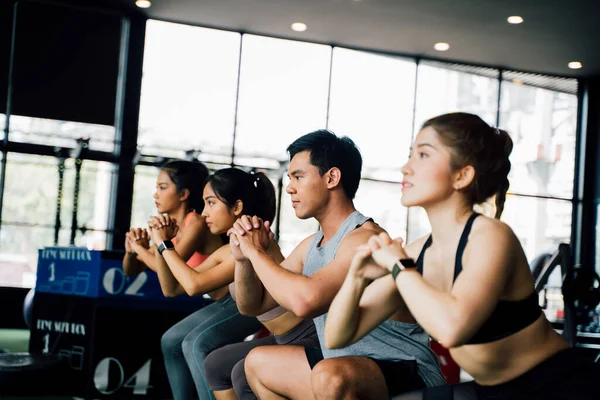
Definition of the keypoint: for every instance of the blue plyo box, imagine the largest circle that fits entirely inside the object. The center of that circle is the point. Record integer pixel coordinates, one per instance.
(75, 271)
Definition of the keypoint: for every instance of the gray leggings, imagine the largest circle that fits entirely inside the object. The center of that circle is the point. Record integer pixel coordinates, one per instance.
(186, 344)
(224, 367)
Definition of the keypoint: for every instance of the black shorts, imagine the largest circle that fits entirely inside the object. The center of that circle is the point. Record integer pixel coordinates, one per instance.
(400, 376)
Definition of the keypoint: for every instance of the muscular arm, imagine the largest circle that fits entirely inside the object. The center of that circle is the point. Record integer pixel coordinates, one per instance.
(306, 297)
(252, 298)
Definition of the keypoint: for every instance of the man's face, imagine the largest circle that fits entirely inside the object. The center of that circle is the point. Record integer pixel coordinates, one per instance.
(307, 187)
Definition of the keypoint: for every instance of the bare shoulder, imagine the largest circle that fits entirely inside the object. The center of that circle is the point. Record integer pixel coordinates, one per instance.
(360, 235)
(195, 219)
(491, 229)
(493, 237)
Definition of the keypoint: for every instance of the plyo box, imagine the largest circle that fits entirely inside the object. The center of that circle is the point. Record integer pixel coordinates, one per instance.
(105, 325)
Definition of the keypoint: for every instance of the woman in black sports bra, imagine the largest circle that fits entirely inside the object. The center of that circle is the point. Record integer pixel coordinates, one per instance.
(470, 286)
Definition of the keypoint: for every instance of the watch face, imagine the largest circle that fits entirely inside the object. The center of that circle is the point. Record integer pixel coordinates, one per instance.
(408, 263)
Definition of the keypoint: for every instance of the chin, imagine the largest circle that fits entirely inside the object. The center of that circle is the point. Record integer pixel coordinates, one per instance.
(301, 215)
(406, 202)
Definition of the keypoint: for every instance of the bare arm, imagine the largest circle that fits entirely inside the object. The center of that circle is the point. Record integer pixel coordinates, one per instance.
(168, 283)
(454, 317)
(219, 271)
(304, 296)
(251, 296)
(361, 304)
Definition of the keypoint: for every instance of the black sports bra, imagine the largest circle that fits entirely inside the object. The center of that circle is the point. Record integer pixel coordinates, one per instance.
(509, 316)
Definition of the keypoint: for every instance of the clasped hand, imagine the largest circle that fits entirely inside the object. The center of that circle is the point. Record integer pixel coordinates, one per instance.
(136, 239)
(162, 227)
(377, 257)
(247, 234)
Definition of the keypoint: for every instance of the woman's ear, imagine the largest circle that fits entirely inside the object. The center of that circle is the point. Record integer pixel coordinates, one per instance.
(237, 208)
(464, 177)
(184, 195)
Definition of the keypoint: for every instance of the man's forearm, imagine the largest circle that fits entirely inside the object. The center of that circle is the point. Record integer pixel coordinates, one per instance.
(290, 290)
(249, 290)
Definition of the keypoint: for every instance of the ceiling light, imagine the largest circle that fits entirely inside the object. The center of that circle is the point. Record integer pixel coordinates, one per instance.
(575, 65)
(299, 26)
(441, 46)
(515, 19)
(143, 3)
(517, 81)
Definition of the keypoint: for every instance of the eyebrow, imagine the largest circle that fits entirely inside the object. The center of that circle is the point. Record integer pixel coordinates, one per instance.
(295, 172)
(210, 197)
(421, 145)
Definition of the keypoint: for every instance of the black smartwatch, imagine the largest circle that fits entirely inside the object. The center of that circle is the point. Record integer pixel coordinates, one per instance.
(401, 265)
(165, 245)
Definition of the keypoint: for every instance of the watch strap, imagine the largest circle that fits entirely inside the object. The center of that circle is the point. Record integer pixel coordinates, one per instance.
(165, 245)
(401, 265)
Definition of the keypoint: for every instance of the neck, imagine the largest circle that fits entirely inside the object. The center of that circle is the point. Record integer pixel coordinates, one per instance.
(447, 219)
(180, 215)
(333, 215)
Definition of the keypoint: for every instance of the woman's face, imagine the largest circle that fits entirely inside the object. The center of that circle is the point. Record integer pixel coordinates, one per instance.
(216, 214)
(427, 176)
(166, 197)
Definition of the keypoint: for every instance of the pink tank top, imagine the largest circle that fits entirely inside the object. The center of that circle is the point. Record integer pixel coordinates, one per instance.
(196, 258)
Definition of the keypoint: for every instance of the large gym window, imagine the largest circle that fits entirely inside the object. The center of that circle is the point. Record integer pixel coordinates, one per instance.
(282, 95)
(188, 91)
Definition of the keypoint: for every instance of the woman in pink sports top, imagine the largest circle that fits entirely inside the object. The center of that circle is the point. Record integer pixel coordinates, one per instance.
(179, 195)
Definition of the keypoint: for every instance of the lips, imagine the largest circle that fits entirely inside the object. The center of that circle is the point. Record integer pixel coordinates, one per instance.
(295, 203)
(406, 185)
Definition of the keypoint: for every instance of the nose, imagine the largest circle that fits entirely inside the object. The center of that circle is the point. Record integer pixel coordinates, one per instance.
(289, 189)
(204, 213)
(156, 194)
(406, 169)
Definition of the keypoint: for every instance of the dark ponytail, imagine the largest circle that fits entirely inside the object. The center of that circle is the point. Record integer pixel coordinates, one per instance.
(254, 190)
(473, 142)
(188, 175)
(506, 144)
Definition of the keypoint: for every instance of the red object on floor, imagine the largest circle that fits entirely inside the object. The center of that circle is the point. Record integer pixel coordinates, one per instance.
(449, 367)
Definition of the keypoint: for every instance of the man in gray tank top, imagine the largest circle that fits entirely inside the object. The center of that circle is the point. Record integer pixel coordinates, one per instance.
(324, 174)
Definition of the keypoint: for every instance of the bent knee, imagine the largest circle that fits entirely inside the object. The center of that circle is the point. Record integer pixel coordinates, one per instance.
(256, 358)
(329, 378)
(169, 340)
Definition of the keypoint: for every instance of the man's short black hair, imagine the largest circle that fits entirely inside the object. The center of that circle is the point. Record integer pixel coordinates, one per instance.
(327, 151)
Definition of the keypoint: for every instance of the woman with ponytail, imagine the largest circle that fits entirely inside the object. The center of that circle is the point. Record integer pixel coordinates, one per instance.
(228, 194)
(468, 283)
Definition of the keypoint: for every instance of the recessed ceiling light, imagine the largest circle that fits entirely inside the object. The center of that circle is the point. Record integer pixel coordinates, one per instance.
(575, 65)
(299, 26)
(441, 46)
(515, 19)
(143, 3)
(517, 81)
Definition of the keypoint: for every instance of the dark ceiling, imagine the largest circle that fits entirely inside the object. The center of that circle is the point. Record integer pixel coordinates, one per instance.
(554, 33)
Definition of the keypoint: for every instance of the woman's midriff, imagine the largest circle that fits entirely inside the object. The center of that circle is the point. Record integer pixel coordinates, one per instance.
(283, 324)
(505, 359)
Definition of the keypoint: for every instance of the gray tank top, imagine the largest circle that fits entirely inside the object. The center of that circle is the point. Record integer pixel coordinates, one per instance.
(391, 340)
